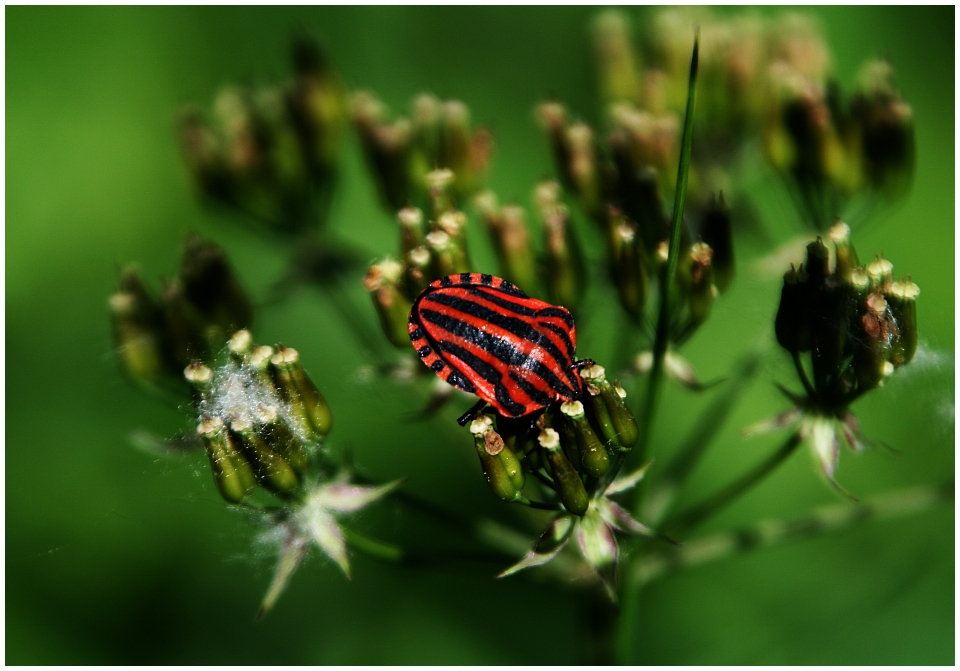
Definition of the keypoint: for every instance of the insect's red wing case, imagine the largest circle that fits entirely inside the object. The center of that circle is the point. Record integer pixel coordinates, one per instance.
(483, 335)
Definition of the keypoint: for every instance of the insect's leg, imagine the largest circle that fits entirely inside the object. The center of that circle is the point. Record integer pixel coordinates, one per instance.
(472, 413)
(582, 363)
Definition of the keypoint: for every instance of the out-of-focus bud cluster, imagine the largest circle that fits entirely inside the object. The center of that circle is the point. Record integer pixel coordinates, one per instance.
(190, 319)
(431, 246)
(759, 78)
(261, 417)
(558, 272)
(270, 152)
(403, 153)
(857, 322)
(829, 149)
(571, 447)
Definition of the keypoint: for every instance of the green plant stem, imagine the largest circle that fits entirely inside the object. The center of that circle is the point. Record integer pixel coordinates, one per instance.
(769, 533)
(801, 371)
(371, 546)
(663, 492)
(662, 338)
(698, 513)
(627, 625)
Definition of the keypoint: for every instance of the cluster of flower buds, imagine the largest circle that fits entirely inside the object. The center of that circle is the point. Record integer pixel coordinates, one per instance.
(189, 320)
(402, 153)
(830, 150)
(623, 194)
(271, 152)
(261, 416)
(857, 323)
(574, 450)
(571, 448)
(430, 248)
(560, 270)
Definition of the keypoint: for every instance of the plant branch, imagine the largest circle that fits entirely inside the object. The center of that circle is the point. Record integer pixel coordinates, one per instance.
(662, 337)
(770, 533)
(690, 518)
(663, 492)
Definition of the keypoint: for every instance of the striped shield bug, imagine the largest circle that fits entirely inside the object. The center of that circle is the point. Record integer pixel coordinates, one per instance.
(484, 336)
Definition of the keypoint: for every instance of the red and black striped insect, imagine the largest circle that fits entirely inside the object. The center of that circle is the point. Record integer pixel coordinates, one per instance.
(483, 335)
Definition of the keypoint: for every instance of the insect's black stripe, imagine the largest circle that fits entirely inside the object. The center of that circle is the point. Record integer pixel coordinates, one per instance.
(560, 313)
(488, 373)
(564, 335)
(458, 380)
(486, 279)
(525, 311)
(517, 327)
(497, 347)
(536, 395)
(491, 296)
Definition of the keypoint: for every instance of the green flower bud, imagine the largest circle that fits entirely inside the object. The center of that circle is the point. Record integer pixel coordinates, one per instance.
(412, 230)
(847, 259)
(383, 281)
(240, 344)
(703, 293)
(316, 103)
(884, 126)
(259, 360)
(583, 168)
(565, 266)
(272, 470)
(716, 230)
(568, 483)
(880, 272)
(553, 119)
(279, 437)
(902, 299)
(511, 239)
(830, 312)
(417, 271)
(205, 158)
(593, 455)
(501, 475)
(231, 471)
(446, 257)
(439, 183)
(615, 60)
(455, 143)
(136, 329)
(792, 324)
(608, 408)
(628, 261)
(818, 263)
(385, 147)
(875, 332)
(184, 333)
(210, 284)
(454, 224)
(200, 377)
(298, 390)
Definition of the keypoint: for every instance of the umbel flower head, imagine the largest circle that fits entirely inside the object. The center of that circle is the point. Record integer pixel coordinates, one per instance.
(270, 152)
(857, 325)
(190, 319)
(595, 533)
(401, 154)
(263, 423)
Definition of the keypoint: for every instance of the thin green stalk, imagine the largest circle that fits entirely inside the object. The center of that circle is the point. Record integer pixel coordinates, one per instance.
(698, 513)
(662, 338)
(372, 547)
(663, 492)
(769, 533)
(626, 631)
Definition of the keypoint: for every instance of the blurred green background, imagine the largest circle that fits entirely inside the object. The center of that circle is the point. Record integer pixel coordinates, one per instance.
(115, 557)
